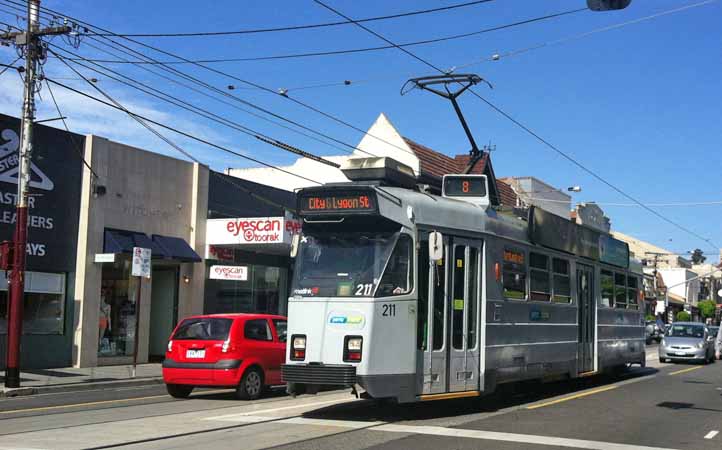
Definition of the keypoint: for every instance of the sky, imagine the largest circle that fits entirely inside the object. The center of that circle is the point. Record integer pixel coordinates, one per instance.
(639, 105)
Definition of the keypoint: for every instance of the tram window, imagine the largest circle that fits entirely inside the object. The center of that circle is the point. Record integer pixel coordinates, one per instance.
(439, 294)
(632, 293)
(473, 296)
(397, 276)
(561, 282)
(607, 284)
(620, 290)
(458, 302)
(422, 322)
(539, 284)
(514, 275)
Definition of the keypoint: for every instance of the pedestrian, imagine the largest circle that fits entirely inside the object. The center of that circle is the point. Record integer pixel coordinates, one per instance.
(718, 344)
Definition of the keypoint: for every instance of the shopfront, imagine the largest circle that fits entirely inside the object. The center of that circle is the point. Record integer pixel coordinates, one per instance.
(55, 188)
(248, 264)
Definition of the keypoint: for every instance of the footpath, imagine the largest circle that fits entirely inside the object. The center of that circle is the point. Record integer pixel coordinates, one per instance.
(44, 381)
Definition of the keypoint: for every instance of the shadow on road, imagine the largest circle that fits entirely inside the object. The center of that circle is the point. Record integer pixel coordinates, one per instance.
(506, 396)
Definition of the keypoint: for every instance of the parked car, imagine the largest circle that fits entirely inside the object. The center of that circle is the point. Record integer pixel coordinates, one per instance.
(687, 341)
(243, 351)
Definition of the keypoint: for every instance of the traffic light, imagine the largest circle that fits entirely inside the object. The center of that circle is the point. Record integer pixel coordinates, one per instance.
(607, 5)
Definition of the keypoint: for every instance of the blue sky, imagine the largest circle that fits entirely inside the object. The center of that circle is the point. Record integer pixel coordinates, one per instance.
(640, 105)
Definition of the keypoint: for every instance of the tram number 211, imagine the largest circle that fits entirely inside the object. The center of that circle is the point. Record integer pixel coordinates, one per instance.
(388, 310)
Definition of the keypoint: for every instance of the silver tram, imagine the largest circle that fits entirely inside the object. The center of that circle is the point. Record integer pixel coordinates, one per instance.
(402, 294)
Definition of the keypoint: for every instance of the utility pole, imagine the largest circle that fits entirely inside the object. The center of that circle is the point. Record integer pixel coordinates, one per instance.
(656, 291)
(30, 40)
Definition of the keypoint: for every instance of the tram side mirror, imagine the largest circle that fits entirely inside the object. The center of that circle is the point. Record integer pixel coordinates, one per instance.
(294, 245)
(436, 246)
(607, 5)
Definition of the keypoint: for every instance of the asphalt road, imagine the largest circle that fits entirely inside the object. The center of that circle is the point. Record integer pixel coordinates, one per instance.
(667, 406)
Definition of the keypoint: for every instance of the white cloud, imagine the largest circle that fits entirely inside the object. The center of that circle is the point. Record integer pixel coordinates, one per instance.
(86, 116)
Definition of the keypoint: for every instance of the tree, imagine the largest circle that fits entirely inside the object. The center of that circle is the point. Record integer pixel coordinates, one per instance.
(698, 256)
(707, 308)
(683, 316)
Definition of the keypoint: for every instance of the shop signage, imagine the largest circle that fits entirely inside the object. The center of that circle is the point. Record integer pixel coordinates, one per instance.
(220, 253)
(56, 177)
(251, 230)
(141, 262)
(235, 273)
(105, 257)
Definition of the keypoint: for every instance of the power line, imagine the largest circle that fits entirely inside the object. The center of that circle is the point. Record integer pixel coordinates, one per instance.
(195, 109)
(8, 66)
(603, 203)
(356, 50)
(70, 135)
(175, 130)
(528, 130)
(299, 27)
(233, 77)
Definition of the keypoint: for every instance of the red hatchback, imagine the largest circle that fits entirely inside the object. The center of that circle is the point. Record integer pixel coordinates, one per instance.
(244, 351)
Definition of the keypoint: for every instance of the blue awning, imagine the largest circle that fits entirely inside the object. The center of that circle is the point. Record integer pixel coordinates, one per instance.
(176, 248)
(123, 241)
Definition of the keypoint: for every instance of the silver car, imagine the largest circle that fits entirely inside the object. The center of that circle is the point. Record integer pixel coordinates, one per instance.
(687, 341)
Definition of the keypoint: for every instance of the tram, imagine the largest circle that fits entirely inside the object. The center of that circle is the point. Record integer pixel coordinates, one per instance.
(399, 293)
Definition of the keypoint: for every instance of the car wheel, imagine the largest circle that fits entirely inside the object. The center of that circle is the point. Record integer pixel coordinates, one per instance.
(251, 385)
(179, 390)
(662, 360)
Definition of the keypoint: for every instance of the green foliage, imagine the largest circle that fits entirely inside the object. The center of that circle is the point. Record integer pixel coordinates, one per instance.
(649, 317)
(707, 308)
(683, 316)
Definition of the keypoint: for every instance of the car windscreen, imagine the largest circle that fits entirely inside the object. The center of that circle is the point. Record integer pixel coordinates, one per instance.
(689, 331)
(205, 328)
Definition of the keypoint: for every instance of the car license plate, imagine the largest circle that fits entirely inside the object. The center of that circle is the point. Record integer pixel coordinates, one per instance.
(195, 354)
(679, 353)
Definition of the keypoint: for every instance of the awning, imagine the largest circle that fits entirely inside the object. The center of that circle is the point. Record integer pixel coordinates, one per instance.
(123, 241)
(673, 298)
(176, 249)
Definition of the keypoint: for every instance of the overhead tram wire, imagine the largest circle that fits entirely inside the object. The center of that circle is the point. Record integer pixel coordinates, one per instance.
(302, 27)
(53, 13)
(222, 92)
(173, 129)
(9, 66)
(356, 50)
(529, 131)
(104, 70)
(211, 116)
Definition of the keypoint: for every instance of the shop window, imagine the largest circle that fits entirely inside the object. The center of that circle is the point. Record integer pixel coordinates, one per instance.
(264, 291)
(43, 303)
(117, 310)
(514, 274)
(539, 285)
(607, 285)
(620, 290)
(632, 293)
(561, 284)
(257, 330)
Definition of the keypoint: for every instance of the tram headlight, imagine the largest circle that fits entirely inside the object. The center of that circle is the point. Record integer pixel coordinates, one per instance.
(352, 348)
(298, 347)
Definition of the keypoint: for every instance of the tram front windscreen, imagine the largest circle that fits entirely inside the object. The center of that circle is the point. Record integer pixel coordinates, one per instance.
(352, 264)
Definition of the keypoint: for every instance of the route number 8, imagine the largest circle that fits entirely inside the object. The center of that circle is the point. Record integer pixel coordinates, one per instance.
(465, 187)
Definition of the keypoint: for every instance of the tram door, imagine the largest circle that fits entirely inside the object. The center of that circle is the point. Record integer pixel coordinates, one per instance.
(587, 319)
(450, 337)
(464, 296)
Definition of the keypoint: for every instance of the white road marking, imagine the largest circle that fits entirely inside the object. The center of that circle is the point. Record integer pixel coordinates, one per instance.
(511, 437)
(453, 432)
(232, 417)
(711, 434)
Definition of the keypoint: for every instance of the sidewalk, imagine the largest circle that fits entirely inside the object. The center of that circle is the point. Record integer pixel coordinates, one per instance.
(43, 381)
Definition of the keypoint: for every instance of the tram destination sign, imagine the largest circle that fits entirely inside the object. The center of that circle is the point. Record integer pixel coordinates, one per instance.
(333, 202)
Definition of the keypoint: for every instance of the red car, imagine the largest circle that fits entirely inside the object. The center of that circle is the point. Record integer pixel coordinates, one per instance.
(244, 351)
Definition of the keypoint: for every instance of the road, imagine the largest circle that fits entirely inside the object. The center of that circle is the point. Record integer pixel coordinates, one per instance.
(663, 406)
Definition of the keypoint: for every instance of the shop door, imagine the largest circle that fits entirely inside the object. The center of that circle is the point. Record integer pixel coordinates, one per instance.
(163, 309)
(587, 319)
(464, 306)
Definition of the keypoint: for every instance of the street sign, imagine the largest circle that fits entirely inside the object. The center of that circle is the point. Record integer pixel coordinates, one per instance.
(141, 262)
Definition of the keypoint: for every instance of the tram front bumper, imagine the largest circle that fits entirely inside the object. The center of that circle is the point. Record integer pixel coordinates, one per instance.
(309, 378)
